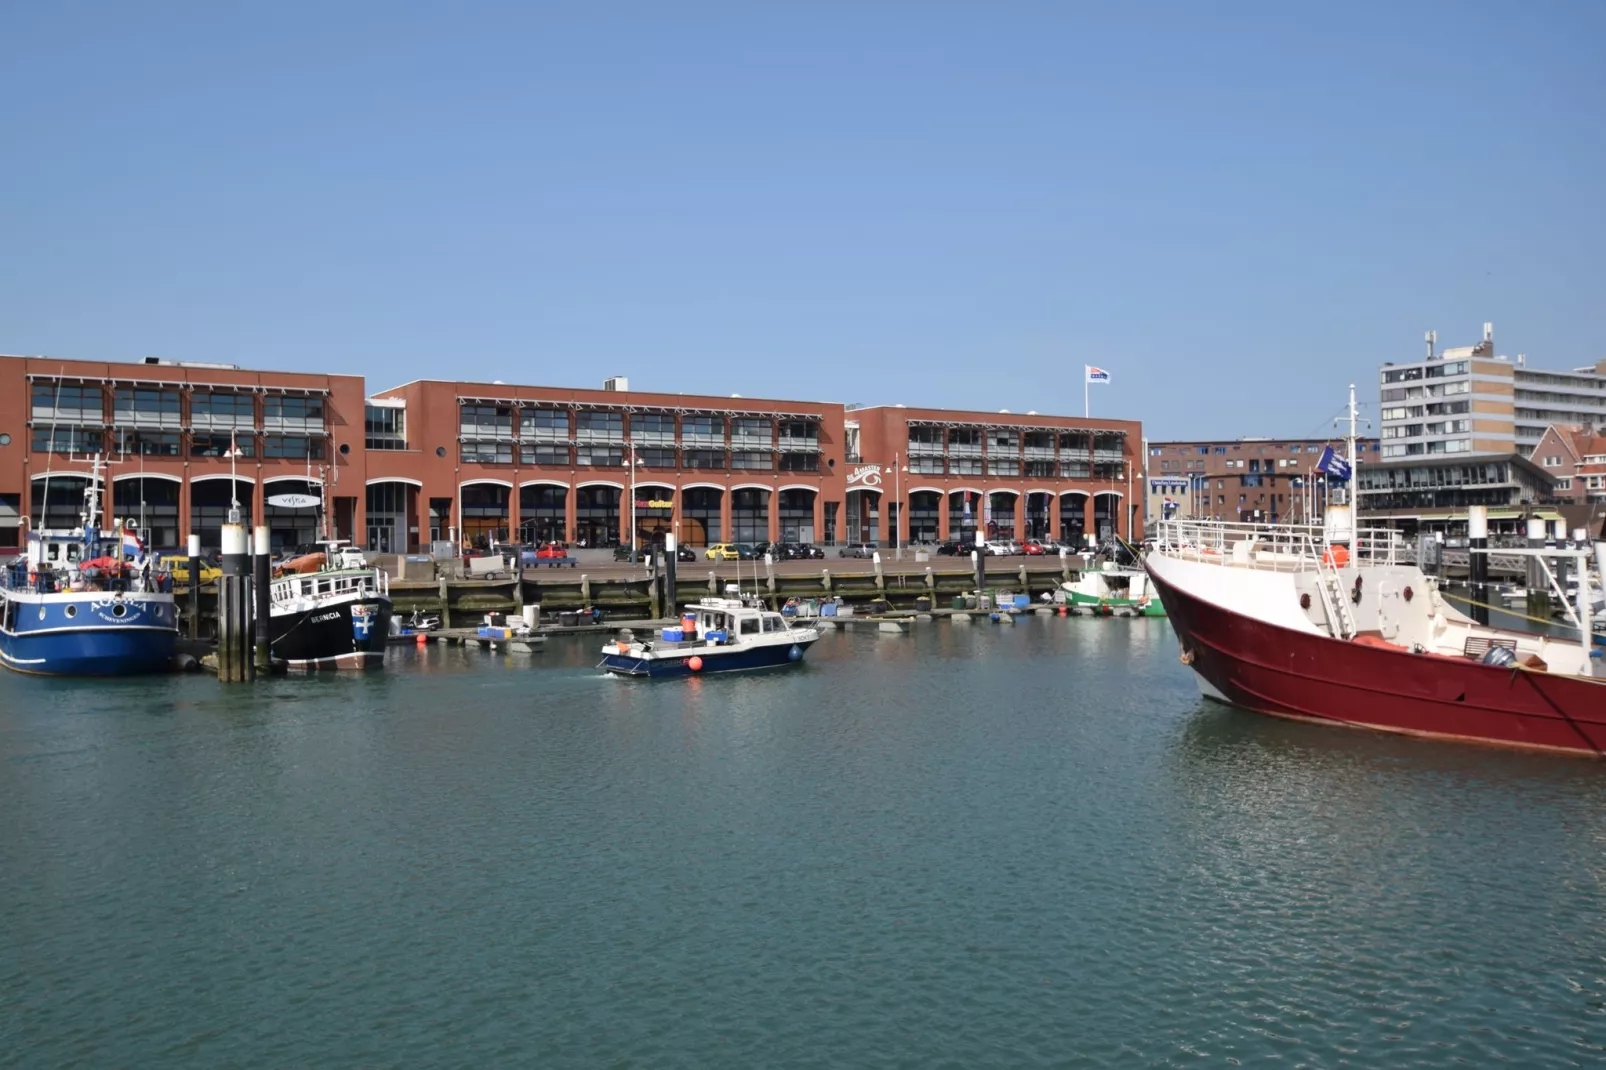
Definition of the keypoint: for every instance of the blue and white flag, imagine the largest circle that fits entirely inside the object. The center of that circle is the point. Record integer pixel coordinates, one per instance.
(1333, 464)
(1096, 375)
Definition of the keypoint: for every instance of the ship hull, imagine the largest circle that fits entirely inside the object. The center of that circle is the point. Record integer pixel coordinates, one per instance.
(714, 660)
(351, 634)
(1276, 670)
(91, 634)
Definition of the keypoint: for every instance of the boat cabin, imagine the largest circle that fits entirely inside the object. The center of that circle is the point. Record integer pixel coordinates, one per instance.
(733, 619)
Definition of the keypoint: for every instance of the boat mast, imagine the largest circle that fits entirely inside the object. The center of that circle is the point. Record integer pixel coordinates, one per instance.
(1354, 461)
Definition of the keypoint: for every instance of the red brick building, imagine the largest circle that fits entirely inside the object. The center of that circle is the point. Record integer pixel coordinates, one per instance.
(435, 460)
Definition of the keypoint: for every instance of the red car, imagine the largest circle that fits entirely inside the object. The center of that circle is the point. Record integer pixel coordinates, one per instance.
(1032, 549)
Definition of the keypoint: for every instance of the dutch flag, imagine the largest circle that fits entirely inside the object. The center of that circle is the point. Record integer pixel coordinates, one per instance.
(132, 547)
(1096, 375)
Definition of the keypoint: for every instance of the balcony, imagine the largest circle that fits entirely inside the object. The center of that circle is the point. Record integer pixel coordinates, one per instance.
(1040, 453)
(167, 421)
(925, 449)
(310, 425)
(223, 421)
(653, 438)
(701, 440)
(467, 430)
(1102, 456)
(964, 449)
(536, 433)
(604, 436)
(749, 440)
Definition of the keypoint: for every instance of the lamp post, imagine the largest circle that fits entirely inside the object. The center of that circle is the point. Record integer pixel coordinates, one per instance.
(234, 486)
(631, 449)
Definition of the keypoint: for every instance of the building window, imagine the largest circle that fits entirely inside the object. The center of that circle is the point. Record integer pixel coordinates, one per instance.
(924, 465)
(702, 430)
(1045, 469)
(655, 456)
(964, 466)
(547, 425)
(148, 443)
(219, 445)
(600, 456)
(384, 428)
(599, 425)
(810, 462)
(703, 459)
(752, 460)
(485, 421)
(139, 406)
(805, 434)
(548, 455)
(752, 431)
(281, 413)
(297, 446)
(213, 410)
(66, 440)
(1001, 466)
(68, 401)
(1564, 484)
(487, 451)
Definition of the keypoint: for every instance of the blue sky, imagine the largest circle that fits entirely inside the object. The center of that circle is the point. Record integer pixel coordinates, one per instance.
(1234, 208)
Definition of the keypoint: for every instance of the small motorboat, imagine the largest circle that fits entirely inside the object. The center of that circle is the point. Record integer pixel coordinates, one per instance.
(714, 635)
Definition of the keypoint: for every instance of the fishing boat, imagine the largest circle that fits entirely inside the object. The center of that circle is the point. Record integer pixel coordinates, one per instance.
(83, 602)
(1110, 589)
(1337, 625)
(715, 635)
(329, 610)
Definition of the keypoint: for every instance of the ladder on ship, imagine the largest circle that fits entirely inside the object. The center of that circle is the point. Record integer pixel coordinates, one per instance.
(1340, 621)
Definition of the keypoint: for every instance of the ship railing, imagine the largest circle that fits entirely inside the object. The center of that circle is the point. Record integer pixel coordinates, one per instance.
(291, 589)
(1288, 547)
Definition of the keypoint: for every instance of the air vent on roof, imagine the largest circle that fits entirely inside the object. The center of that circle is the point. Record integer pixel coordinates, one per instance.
(619, 383)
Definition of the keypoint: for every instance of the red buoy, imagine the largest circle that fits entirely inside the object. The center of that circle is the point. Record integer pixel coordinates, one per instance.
(694, 663)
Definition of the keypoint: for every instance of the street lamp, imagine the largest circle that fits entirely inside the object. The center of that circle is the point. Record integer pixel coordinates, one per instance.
(234, 486)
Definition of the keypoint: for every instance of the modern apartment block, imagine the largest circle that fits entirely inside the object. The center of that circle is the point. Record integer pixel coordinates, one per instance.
(1252, 480)
(1468, 400)
(467, 462)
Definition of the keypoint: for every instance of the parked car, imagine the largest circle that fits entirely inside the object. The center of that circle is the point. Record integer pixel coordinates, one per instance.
(745, 552)
(1032, 548)
(177, 565)
(800, 551)
(951, 549)
(685, 553)
(999, 548)
(722, 551)
(858, 549)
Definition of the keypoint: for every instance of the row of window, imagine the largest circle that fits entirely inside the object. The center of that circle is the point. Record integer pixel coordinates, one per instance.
(172, 443)
(86, 399)
(1433, 390)
(499, 418)
(1423, 449)
(499, 451)
(1432, 371)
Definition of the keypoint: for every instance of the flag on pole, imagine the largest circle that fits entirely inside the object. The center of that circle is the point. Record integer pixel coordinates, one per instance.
(131, 544)
(1096, 375)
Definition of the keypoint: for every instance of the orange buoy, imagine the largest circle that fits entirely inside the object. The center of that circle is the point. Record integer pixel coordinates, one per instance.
(694, 663)
(422, 638)
(1337, 556)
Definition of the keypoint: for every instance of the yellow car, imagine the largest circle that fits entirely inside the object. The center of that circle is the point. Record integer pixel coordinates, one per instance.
(723, 551)
(178, 566)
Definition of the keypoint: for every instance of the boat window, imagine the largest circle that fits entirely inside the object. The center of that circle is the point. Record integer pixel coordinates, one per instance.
(749, 626)
(772, 623)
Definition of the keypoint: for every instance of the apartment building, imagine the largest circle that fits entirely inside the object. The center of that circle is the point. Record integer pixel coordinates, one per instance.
(1252, 480)
(1469, 400)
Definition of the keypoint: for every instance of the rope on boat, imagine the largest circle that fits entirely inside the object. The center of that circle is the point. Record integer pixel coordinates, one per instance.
(1497, 609)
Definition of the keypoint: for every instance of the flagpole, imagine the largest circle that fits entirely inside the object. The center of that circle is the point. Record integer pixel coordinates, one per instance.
(1087, 410)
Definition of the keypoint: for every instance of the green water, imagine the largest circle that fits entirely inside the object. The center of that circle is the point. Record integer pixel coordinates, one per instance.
(989, 847)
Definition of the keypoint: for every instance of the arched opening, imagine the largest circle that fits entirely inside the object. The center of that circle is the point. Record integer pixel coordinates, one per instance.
(699, 515)
(596, 516)
(750, 515)
(1073, 519)
(964, 512)
(864, 516)
(655, 513)
(150, 507)
(924, 510)
(210, 501)
(484, 514)
(1107, 516)
(290, 509)
(796, 508)
(390, 507)
(58, 502)
(543, 513)
(1038, 514)
(1001, 521)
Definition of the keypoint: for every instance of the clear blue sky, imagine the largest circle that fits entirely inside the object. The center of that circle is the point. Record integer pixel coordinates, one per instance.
(1234, 208)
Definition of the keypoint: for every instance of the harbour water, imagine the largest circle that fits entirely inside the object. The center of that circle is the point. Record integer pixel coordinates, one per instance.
(1029, 846)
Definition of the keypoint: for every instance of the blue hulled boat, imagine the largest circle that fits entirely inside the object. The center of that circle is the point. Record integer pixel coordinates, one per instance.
(715, 635)
(77, 604)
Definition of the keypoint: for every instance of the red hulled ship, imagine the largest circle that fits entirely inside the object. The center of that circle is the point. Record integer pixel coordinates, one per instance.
(1335, 625)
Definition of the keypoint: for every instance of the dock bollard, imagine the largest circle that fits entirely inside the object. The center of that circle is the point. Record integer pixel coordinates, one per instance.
(195, 586)
(260, 596)
(234, 604)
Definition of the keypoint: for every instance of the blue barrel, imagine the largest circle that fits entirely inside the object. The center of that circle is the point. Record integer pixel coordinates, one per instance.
(673, 635)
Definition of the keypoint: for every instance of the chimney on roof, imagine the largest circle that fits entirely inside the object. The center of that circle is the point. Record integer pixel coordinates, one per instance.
(1431, 338)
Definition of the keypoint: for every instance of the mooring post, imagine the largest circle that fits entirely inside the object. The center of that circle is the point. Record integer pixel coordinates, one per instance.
(825, 580)
(234, 603)
(1065, 565)
(1478, 561)
(978, 561)
(195, 586)
(1538, 586)
(262, 581)
(880, 577)
(671, 550)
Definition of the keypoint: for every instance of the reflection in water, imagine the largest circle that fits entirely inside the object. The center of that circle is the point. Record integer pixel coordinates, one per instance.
(979, 845)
